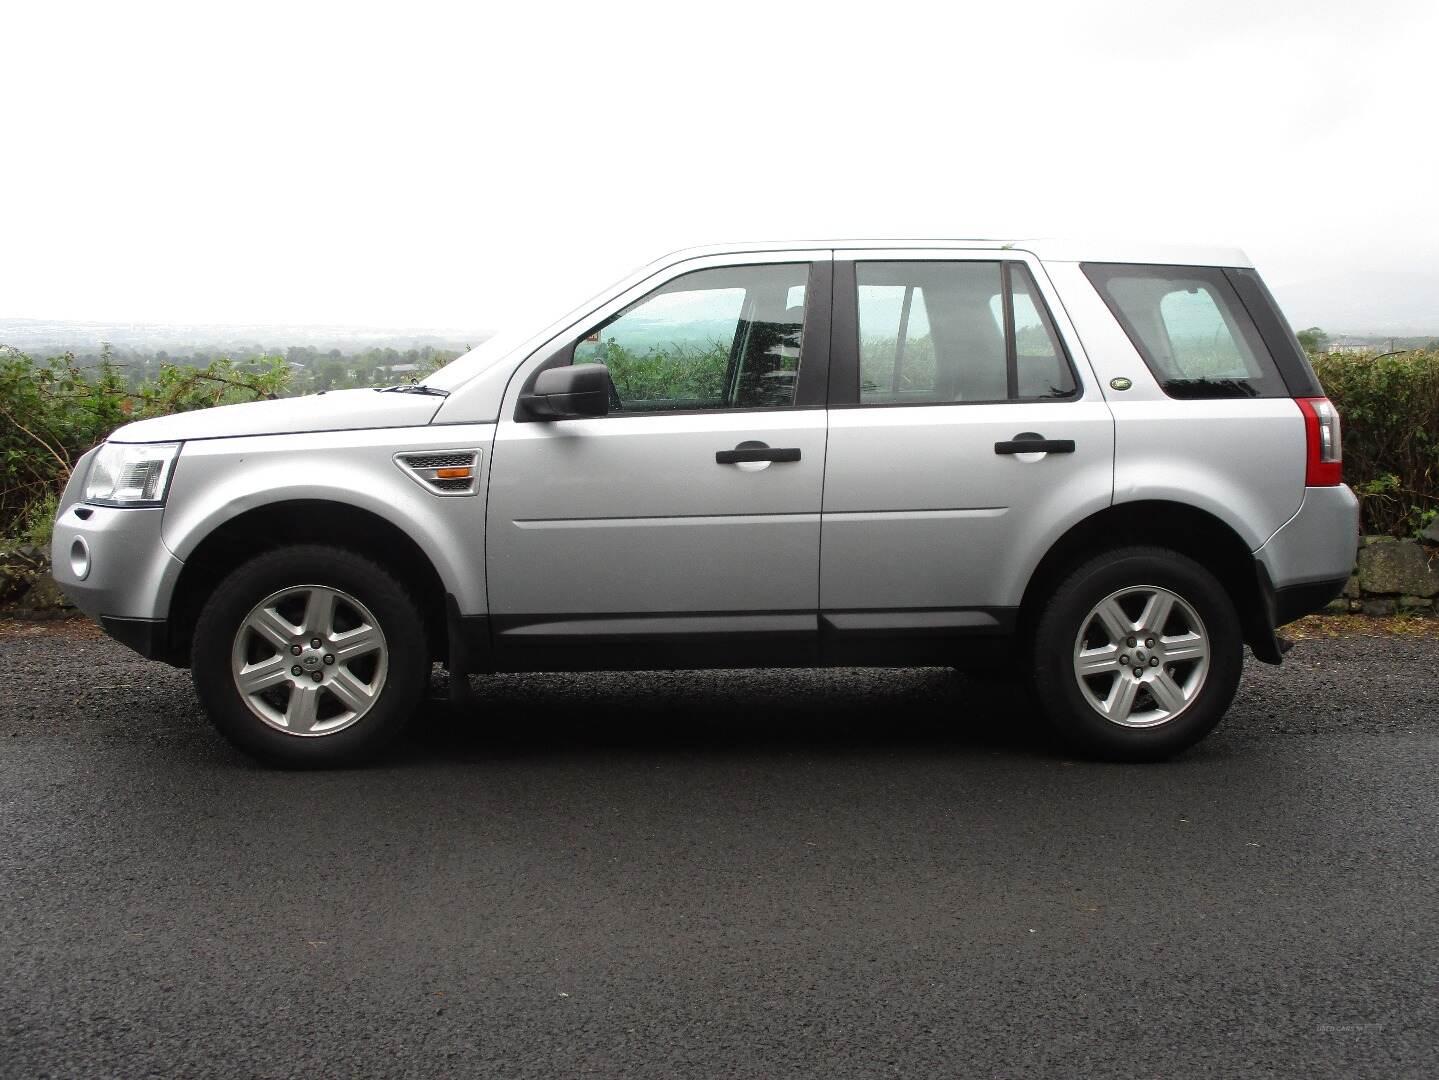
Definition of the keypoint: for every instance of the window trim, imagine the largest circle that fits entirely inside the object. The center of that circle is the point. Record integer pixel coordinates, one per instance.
(810, 387)
(1274, 329)
(844, 332)
(1011, 345)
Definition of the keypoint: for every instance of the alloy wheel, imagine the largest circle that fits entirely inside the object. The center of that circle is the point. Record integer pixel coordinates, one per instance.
(309, 660)
(1141, 656)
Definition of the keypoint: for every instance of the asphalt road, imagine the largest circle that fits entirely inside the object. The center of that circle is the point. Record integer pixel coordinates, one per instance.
(848, 873)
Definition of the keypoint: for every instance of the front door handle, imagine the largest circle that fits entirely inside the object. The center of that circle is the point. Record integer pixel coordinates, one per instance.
(1028, 442)
(756, 452)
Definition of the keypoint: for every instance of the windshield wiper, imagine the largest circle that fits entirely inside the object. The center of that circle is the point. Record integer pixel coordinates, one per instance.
(414, 388)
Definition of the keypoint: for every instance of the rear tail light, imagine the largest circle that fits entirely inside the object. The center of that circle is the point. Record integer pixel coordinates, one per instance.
(1324, 450)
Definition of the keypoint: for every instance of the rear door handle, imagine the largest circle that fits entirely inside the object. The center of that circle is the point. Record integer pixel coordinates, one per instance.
(1028, 442)
(751, 452)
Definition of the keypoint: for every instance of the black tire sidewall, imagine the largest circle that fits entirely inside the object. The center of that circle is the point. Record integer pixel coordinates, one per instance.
(1059, 693)
(399, 619)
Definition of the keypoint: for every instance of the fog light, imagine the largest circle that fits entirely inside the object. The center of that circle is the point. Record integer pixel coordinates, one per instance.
(80, 558)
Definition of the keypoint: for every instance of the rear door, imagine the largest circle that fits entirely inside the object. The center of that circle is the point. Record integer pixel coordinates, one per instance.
(689, 516)
(945, 367)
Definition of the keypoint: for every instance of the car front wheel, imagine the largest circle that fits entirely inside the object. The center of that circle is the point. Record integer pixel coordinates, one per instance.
(1138, 654)
(310, 655)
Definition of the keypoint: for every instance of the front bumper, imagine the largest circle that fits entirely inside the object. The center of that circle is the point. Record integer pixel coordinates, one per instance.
(148, 637)
(113, 563)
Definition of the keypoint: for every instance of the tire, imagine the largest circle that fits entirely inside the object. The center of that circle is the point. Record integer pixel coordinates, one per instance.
(1189, 665)
(372, 662)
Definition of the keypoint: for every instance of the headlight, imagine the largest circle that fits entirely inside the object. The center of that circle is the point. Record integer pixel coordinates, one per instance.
(131, 474)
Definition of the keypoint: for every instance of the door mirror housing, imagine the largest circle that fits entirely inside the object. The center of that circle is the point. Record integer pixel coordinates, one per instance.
(571, 392)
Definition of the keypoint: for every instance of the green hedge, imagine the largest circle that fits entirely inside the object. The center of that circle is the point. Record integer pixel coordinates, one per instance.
(52, 411)
(1390, 411)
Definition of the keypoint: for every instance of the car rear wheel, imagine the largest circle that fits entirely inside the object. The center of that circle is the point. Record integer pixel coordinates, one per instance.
(1137, 654)
(310, 655)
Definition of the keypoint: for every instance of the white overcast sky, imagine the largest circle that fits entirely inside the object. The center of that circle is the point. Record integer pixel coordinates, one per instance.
(426, 165)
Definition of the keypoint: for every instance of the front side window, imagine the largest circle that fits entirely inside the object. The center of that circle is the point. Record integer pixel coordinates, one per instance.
(1190, 327)
(951, 332)
(727, 338)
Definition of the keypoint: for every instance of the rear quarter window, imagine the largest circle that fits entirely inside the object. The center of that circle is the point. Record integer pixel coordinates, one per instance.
(1191, 328)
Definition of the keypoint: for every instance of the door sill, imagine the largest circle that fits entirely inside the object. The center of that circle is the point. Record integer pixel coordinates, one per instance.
(900, 637)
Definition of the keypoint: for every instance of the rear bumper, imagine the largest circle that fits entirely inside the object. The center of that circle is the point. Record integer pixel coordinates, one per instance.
(1292, 601)
(1313, 550)
(1303, 566)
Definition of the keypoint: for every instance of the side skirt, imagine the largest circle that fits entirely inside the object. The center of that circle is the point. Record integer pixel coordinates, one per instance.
(604, 642)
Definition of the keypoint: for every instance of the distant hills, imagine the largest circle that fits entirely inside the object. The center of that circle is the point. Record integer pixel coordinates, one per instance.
(1400, 305)
(1364, 304)
(44, 337)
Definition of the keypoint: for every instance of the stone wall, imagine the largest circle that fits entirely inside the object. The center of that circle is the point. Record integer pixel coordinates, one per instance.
(25, 582)
(1392, 576)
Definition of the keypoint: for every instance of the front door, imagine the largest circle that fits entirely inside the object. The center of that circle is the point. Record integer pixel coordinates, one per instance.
(689, 516)
(946, 367)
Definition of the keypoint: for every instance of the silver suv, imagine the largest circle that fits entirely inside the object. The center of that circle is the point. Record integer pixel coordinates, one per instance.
(1101, 470)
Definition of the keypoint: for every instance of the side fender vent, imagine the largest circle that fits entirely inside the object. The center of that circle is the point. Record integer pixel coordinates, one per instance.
(443, 472)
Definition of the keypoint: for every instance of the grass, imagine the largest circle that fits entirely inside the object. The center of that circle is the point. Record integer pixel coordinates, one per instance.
(1319, 627)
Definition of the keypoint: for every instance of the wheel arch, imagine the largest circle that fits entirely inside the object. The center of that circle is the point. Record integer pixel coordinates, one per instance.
(303, 521)
(1199, 534)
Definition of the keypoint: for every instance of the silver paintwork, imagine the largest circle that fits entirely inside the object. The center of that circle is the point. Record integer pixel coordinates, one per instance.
(1319, 543)
(1141, 656)
(301, 682)
(631, 514)
(888, 508)
(919, 511)
(218, 479)
(334, 410)
(132, 573)
(1241, 460)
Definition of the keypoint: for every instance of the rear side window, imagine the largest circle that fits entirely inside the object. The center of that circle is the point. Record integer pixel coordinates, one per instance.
(934, 332)
(1191, 328)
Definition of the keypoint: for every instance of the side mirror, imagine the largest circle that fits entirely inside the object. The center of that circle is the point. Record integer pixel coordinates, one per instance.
(567, 393)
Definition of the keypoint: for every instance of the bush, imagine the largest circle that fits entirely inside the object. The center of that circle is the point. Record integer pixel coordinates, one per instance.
(1390, 411)
(52, 411)
(675, 373)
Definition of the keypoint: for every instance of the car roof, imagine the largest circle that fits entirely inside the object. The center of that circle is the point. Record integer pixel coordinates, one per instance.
(1047, 249)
